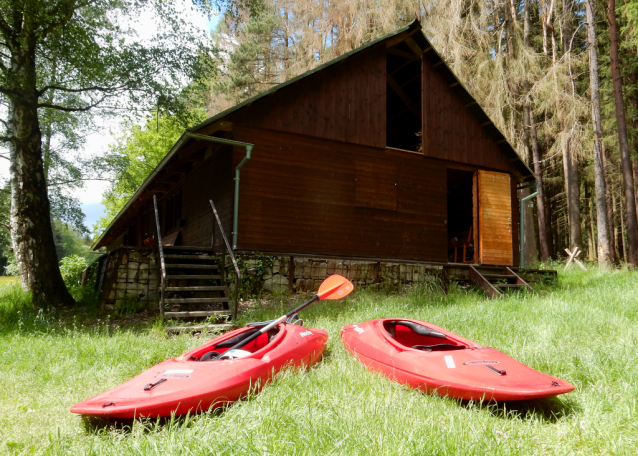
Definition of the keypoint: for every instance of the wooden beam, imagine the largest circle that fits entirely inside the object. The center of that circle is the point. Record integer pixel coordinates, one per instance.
(485, 124)
(440, 62)
(414, 47)
(470, 104)
(399, 91)
(399, 38)
(405, 55)
(454, 84)
(209, 129)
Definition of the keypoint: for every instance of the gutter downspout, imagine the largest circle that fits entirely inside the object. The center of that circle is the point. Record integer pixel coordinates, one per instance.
(249, 148)
(522, 225)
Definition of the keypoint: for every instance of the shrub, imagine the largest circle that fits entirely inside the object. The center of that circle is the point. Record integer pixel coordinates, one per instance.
(71, 268)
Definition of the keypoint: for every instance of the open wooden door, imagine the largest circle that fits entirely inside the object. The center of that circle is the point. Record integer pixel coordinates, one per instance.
(493, 229)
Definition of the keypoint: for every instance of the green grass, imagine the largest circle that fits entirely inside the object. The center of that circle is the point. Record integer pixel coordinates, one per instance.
(584, 330)
(8, 280)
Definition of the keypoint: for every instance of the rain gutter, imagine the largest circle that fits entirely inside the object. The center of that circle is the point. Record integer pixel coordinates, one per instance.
(249, 148)
(522, 226)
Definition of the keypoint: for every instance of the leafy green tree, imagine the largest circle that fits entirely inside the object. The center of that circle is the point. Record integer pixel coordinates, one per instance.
(73, 56)
(132, 158)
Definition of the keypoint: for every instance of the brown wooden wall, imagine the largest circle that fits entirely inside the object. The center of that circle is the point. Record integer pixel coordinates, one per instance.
(344, 102)
(213, 179)
(298, 194)
(450, 130)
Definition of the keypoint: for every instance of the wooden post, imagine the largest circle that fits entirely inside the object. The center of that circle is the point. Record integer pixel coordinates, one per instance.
(291, 274)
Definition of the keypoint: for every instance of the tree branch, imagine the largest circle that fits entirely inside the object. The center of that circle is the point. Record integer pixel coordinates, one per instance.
(58, 183)
(69, 109)
(5, 139)
(85, 89)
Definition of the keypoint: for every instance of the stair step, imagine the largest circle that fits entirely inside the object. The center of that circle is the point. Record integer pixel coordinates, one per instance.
(191, 266)
(195, 300)
(509, 285)
(178, 329)
(190, 276)
(197, 313)
(215, 288)
(498, 276)
(191, 257)
(187, 248)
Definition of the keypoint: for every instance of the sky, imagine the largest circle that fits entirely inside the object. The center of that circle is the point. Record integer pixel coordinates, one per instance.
(97, 143)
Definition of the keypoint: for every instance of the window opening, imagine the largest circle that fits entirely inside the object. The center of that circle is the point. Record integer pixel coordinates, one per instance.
(403, 99)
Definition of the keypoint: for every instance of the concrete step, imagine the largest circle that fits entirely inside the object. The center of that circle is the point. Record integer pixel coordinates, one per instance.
(199, 328)
(187, 248)
(194, 276)
(195, 300)
(197, 314)
(191, 257)
(191, 266)
(215, 288)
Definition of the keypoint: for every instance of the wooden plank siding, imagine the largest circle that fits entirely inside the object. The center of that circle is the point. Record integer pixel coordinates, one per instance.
(450, 131)
(298, 194)
(345, 102)
(213, 179)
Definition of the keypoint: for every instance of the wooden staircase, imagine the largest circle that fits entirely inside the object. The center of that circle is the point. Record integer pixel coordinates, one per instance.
(194, 289)
(497, 281)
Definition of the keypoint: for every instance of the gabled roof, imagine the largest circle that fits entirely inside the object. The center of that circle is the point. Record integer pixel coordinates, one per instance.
(413, 31)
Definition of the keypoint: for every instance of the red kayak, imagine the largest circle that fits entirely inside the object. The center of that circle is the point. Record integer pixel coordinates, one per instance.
(434, 360)
(196, 382)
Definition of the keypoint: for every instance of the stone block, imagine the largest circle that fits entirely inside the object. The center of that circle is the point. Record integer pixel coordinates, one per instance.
(323, 270)
(122, 275)
(132, 275)
(142, 276)
(133, 265)
(112, 294)
(276, 282)
(276, 266)
(143, 266)
(124, 259)
(330, 267)
(298, 269)
(121, 293)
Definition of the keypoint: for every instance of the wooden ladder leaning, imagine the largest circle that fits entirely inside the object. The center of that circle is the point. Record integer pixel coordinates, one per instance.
(496, 282)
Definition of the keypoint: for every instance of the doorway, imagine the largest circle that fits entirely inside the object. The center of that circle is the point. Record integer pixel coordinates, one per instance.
(460, 216)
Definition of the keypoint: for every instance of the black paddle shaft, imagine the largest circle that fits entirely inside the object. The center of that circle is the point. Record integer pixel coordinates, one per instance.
(267, 327)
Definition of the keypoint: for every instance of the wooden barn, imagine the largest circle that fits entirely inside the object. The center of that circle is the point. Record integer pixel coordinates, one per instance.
(379, 154)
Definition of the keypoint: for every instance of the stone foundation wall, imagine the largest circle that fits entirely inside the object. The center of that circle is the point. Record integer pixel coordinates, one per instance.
(308, 273)
(131, 277)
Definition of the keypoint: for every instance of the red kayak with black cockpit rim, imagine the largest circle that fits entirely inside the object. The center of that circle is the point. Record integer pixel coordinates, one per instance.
(196, 381)
(434, 360)
(221, 371)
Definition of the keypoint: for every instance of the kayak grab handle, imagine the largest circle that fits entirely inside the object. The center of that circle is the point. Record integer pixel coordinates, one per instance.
(150, 386)
(495, 370)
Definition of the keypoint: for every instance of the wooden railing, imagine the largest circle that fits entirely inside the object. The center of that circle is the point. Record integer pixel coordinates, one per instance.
(230, 254)
(160, 248)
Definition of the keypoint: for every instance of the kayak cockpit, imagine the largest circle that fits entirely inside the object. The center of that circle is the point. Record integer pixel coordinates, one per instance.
(257, 347)
(417, 336)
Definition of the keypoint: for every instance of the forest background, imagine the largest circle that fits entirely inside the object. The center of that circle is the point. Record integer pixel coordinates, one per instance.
(558, 77)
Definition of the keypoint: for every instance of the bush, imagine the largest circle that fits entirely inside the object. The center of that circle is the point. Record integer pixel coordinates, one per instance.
(71, 268)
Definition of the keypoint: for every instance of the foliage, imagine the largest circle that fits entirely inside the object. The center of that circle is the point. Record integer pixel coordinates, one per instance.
(133, 157)
(71, 267)
(252, 269)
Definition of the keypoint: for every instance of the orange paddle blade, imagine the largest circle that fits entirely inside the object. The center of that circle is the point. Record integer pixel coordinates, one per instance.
(335, 287)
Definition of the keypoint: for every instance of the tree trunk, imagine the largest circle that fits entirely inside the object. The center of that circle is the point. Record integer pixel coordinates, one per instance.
(604, 253)
(543, 231)
(591, 235)
(572, 193)
(623, 142)
(31, 229)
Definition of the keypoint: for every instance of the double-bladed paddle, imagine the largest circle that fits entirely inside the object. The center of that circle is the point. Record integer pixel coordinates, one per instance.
(334, 287)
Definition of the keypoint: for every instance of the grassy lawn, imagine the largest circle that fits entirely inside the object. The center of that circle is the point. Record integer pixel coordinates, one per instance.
(583, 330)
(8, 280)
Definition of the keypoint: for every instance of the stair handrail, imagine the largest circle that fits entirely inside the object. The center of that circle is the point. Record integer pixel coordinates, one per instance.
(161, 255)
(230, 253)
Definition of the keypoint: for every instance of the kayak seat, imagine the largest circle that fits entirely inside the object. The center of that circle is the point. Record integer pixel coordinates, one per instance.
(439, 347)
(415, 335)
(252, 346)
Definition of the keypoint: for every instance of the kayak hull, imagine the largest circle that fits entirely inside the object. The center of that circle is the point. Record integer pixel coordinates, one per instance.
(454, 366)
(189, 385)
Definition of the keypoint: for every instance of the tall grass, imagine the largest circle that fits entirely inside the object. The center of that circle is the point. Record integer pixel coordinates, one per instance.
(584, 330)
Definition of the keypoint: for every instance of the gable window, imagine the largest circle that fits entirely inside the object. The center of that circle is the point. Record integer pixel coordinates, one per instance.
(403, 98)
